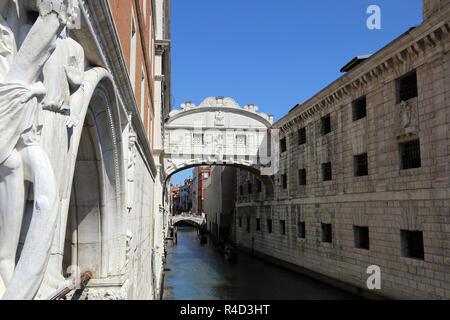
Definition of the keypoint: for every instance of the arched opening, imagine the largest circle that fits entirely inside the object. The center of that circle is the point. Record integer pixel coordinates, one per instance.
(95, 231)
(210, 192)
(83, 241)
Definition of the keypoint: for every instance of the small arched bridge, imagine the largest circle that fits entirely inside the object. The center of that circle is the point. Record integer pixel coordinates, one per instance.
(197, 221)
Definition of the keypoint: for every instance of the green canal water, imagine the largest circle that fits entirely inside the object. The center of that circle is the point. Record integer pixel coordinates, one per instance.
(199, 272)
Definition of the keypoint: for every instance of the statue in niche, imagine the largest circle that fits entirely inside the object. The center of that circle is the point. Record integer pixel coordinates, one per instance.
(406, 114)
(24, 51)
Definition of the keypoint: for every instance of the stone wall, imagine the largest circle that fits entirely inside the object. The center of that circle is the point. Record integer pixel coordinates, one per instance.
(389, 200)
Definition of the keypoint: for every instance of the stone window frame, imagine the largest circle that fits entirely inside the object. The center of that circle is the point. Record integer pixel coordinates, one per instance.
(283, 145)
(359, 108)
(284, 181)
(361, 237)
(402, 81)
(283, 227)
(301, 229)
(406, 162)
(302, 177)
(327, 167)
(412, 245)
(326, 234)
(325, 125)
(358, 161)
(269, 225)
(302, 136)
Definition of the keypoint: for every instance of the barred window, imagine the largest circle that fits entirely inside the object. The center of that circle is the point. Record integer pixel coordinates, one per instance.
(327, 233)
(412, 244)
(360, 165)
(269, 225)
(282, 227)
(283, 147)
(361, 236)
(410, 155)
(407, 87)
(301, 229)
(326, 125)
(327, 174)
(302, 177)
(359, 108)
(284, 181)
(302, 136)
(259, 184)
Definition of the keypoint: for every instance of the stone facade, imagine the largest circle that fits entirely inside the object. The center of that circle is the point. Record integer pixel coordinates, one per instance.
(219, 201)
(101, 130)
(367, 182)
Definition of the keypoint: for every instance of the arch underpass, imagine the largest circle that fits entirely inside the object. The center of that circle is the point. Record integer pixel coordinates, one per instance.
(220, 132)
(197, 221)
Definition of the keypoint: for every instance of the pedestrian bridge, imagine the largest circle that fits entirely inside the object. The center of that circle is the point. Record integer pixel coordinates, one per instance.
(220, 132)
(195, 220)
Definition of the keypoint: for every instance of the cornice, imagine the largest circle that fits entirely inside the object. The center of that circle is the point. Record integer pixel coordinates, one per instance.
(98, 14)
(411, 45)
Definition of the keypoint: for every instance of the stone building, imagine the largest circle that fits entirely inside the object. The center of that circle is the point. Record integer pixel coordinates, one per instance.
(185, 196)
(218, 204)
(175, 197)
(108, 92)
(364, 173)
(199, 176)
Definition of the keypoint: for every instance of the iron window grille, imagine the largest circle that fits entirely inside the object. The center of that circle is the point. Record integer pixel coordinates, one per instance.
(301, 226)
(269, 225)
(259, 184)
(283, 146)
(284, 181)
(361, 236)
(327, 233)
(326, 125)
(407, 87)
(282, 227)
(327, 174)
(410, 155)
(359, 108)
(412, 244)
(302, 177)
(302, 136)
(361, 165)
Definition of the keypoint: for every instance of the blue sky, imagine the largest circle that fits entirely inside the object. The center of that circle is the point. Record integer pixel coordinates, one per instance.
(274, 54)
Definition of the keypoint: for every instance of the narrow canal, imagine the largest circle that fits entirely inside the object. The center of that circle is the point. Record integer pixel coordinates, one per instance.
(199, 272)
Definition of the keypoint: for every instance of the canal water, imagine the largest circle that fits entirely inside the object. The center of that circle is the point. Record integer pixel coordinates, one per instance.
(197, 271)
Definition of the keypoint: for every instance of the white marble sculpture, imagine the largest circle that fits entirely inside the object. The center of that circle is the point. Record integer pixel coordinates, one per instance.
(24, 51)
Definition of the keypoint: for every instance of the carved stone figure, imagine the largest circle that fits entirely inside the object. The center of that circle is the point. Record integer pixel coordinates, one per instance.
(21, 156)
(406, 114)
(219, 119)
(65, 68)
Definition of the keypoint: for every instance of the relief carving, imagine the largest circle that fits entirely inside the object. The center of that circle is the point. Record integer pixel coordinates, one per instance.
(24, 51)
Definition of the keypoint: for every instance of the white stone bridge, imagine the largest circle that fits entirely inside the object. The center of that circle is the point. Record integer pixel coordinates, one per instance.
(195, 220)
(220, 132)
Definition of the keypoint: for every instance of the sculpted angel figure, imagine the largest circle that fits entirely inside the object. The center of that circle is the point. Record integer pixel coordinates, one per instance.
(22, 57)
